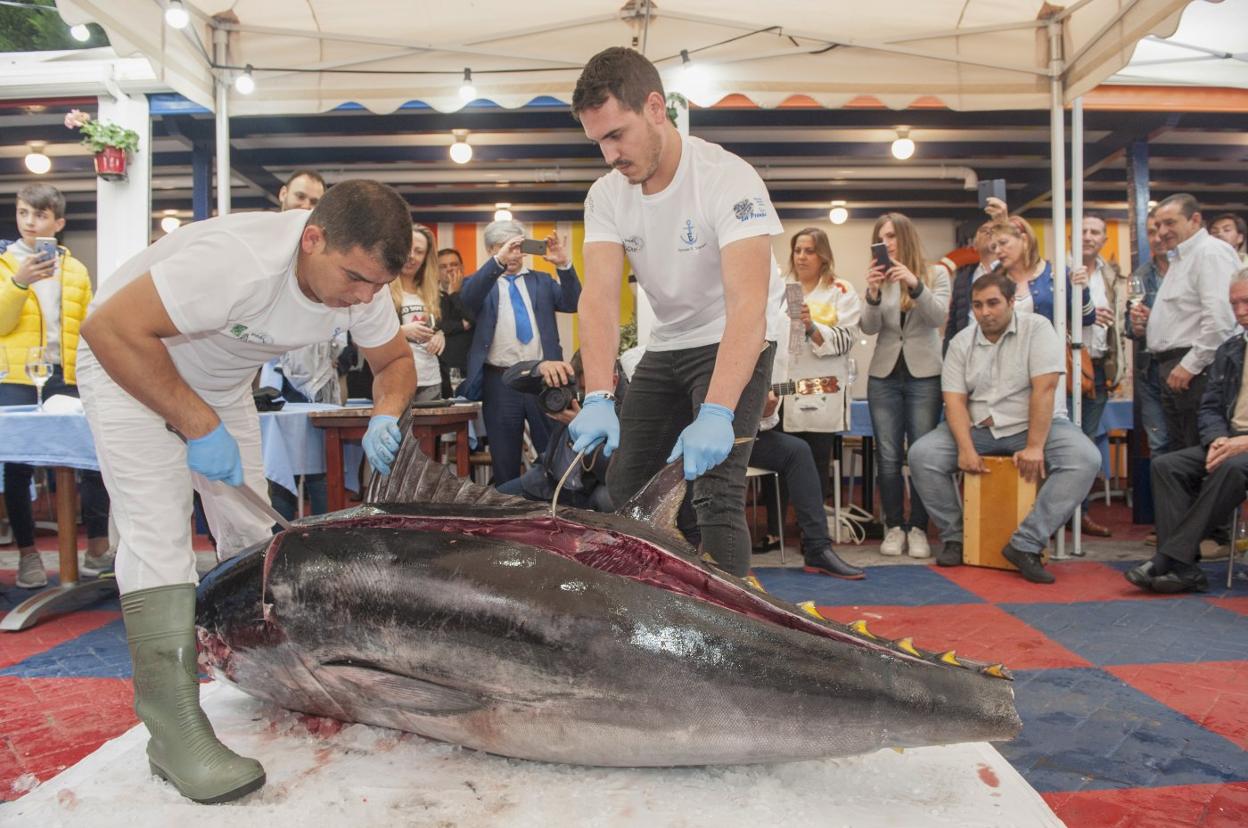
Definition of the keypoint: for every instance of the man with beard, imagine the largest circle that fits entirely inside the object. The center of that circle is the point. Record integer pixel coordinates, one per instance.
(695, 222)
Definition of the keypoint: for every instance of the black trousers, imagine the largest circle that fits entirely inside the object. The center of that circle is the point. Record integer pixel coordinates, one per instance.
(1188, 501)
(666, 390)
(505, 412)
(1180, 407)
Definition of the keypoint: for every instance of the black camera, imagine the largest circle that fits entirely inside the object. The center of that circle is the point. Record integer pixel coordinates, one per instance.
(554, 399)
(525, 378)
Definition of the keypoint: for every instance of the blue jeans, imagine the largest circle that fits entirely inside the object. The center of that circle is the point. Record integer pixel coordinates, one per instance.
(1071, 462)
(903, 409)
(1148, 389)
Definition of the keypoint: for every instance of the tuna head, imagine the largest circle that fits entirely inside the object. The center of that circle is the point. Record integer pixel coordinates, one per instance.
(569, 639)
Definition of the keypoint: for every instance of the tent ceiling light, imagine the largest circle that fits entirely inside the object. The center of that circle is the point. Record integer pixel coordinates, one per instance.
(176, 14)
(467, 92)
(170, 223)
(36, 160)
(245, 83)
(839, 214)
(502, 211)
(903, 146)
(80, 33)
(461, 150)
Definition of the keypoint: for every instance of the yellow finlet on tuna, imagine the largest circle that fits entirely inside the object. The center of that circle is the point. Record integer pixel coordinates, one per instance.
(907, 644)
(860, 627)
(951, 658)
(809, 608)
(755, 584)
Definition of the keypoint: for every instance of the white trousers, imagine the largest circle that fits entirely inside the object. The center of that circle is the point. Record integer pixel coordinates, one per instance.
(150, 487)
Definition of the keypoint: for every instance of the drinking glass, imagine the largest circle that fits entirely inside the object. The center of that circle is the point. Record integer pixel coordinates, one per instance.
(39, 369)
(1135, 289)
(851, 371)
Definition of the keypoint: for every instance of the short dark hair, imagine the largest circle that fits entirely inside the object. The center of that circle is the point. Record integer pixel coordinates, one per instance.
(1092, 214)
(43, 196)
(1187, 203)
(1240, 224)
(366, 214)
(450, 251)
(996, 278)
(617, 72)
(312, 174)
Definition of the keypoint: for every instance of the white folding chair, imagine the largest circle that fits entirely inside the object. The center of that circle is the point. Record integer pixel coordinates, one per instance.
(751, 475)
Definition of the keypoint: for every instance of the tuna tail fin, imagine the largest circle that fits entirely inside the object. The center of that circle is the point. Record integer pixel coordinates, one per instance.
(659, 500)
(416, 478)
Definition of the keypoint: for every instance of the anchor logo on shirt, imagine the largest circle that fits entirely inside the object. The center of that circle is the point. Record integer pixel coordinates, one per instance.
(689, 236)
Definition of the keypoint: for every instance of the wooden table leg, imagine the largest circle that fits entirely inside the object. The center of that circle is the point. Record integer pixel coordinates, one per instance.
(428, 440)
(67, 523)
(336, 494)
(461, 451)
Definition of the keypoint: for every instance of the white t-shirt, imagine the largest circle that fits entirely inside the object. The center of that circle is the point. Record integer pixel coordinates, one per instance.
(414, 310)
(228, 284)
(673, 239)
(48, 292)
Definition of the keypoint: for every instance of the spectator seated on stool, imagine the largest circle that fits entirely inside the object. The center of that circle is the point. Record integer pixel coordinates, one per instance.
(791, 458)
(1197, 488)
(999, 383)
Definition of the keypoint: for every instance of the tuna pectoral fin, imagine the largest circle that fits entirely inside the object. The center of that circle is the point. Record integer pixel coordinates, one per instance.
(659, 500)
(393, 690)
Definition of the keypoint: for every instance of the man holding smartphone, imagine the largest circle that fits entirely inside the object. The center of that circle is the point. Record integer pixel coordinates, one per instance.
(695, 222)
(515, 312)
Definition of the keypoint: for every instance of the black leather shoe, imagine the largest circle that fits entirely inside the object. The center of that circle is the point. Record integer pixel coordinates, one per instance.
(827, 562)
(1175, 582)
(1029, 565)
(950, 554)
(1142, 575)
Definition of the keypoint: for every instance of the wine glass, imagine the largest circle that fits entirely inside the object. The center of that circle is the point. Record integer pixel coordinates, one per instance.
(1135, 289)
(39, 369)
(851, 373)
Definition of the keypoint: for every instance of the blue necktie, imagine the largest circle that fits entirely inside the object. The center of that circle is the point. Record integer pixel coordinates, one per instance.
(524, 328)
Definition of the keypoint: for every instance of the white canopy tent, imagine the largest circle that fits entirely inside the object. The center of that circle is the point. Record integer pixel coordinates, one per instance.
(314, 55)
(1210, 48)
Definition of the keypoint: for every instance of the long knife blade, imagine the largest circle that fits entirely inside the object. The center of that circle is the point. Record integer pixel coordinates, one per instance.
(246, 493)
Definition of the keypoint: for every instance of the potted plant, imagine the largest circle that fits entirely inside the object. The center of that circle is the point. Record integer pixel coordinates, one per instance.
(110, 142)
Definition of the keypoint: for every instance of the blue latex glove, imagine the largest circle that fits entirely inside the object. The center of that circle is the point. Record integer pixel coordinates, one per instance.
(706, 442)
(596, 423)
(381, 442)
(215, 456)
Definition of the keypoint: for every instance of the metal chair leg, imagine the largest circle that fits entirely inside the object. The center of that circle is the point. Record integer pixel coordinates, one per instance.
(775, 477)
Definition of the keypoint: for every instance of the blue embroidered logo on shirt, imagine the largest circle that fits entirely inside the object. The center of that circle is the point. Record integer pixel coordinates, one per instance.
(748, 208)
(689, 236)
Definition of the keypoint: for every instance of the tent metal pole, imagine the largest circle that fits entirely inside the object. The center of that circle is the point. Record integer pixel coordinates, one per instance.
(1076, 298)
(1057, 155)
(219, 41)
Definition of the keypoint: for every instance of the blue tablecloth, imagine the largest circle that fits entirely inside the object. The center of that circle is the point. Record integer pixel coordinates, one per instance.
(291, 445)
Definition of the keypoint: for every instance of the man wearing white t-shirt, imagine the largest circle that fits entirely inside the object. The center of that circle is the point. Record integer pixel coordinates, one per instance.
(695, 222)
(173, 340)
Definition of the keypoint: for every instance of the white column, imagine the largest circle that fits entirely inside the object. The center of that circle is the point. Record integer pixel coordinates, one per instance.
(219, 37)
(123, 223)
(1057, 153)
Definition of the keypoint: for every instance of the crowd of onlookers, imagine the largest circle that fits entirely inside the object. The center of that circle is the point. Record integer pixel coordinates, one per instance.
(961, 365)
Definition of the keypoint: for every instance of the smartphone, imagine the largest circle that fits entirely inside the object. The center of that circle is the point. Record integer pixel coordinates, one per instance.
(992, 188)
(45, 246)
(879, 252)
(535, 247)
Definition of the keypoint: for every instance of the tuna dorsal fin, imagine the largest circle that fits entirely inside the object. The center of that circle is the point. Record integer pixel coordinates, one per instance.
(415, 478)
(393, 690)
(659, 500)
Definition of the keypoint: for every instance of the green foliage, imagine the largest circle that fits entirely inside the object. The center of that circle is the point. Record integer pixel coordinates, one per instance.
(675, 99)
(100, 134)
(628, 335)
(35, 30)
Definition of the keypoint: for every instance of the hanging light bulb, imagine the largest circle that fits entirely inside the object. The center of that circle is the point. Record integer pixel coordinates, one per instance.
(176, 14)
(170, 223)
(80, 33)
(903, 147)
(502, 211)
(245, 83)
(694, 80)
(839, 214)
(36, 160)
(467, 92)
(461, 150)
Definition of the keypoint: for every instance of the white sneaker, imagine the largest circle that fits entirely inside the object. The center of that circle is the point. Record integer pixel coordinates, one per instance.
(95, 564)
(30, 574)
(916, 541)
(894, 542)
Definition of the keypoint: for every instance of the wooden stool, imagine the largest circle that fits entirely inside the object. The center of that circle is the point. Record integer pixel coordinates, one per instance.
(993, 505)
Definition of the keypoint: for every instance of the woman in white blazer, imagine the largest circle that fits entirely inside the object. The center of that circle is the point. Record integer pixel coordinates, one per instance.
(906, 305)
(830, 312)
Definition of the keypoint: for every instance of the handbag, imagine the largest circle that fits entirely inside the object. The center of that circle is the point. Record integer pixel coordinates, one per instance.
(1087, 376)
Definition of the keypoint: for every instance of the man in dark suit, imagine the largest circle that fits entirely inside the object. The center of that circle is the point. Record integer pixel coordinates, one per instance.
(515, 322)
(1199, 487)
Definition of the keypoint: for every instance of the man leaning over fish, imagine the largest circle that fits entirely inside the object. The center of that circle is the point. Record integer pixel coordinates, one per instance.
(695, 222)
(168, 353)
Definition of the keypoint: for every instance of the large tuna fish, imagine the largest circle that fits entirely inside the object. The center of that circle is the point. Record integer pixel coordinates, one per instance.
(447, 609)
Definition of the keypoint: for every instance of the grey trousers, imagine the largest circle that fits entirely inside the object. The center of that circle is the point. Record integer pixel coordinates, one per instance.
(1070, 459)
(666, 390)
(1189, 501)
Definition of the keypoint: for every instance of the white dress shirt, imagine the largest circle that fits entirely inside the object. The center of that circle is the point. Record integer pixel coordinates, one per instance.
(506, 349)
(1193, 308)
(1096, 338)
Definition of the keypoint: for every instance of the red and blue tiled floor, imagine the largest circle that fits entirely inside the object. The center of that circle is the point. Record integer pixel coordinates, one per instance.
(1135, 707)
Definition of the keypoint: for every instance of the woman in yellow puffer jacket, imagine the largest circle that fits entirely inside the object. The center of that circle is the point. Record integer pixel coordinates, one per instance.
(43, 301)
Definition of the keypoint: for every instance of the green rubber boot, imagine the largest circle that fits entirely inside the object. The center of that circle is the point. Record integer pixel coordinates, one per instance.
(160, 628)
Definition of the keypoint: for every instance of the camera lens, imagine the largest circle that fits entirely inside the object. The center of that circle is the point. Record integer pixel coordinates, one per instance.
(556, 399)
